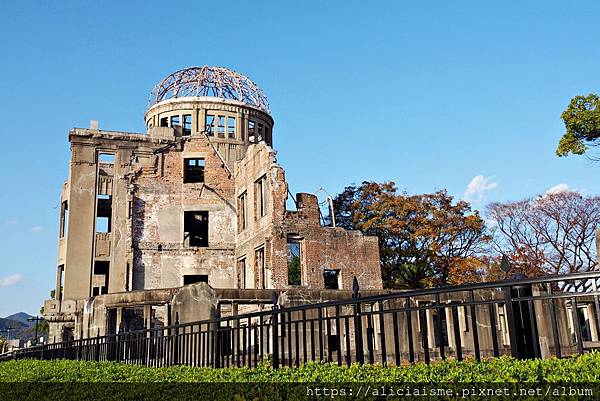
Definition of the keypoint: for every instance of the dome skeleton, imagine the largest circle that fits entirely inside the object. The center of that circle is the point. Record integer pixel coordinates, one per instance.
(208, 81)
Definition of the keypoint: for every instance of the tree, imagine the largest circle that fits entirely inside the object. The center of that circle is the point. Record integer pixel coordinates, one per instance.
(582, 124)
(3, 345)
(422, 238)
(550, 234)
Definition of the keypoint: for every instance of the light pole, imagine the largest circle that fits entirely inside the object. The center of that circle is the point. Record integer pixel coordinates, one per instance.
(35, 319)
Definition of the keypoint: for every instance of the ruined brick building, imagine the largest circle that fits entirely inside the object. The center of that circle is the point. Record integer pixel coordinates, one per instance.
(198, 198)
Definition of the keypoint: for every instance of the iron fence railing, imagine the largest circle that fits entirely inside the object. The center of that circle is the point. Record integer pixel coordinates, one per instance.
(524, 318)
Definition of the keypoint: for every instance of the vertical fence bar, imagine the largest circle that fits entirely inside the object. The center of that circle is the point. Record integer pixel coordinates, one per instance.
(409, 331)
(275, 339)
(396, 339)
(555, 334)
(492, 311)
(577, 325)
(439, 324)
(456, 327)
(382, 333)
(474, 326)
(510, 319)
(338, 330)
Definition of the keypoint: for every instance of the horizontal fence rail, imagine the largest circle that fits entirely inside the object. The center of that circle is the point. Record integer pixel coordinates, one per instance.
(525, 318)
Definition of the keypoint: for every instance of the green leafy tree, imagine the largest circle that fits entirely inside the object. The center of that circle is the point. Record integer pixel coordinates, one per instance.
(582, 124)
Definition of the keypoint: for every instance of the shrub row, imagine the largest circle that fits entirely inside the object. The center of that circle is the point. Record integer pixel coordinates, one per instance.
(585, 368)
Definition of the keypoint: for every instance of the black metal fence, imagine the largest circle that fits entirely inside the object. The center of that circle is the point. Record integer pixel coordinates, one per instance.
(526, 318)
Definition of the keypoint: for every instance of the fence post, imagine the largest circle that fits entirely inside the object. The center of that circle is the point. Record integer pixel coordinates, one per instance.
(98, 344)
(358, 341)
(275, 332)
(176, 340)
(217, 340)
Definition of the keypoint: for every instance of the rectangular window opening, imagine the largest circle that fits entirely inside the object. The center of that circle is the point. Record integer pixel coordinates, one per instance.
(106, 158)
(231, 127)
(64, 218)
(242, 278)
(187, 124)
(195, 278)
(103, 213)
(195, 227)
(260, 266)
(260, 135)
(164, 122)
(333, 344)
(331, 278)
(294, 251)
(251, 135)
(443, 336)
(260, 196)
(242, 213)
(209, 123)
(193, 170)
(60, 284)
(101, 275)
(221, 127)
(175, 121)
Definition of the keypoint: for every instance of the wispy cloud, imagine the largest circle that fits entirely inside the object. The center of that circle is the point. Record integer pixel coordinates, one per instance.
(10, 280)
(559, 188)
(37, 229)
(11, 222)
(476, 189)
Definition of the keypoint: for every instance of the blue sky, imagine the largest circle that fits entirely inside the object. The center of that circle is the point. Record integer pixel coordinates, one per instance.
(430, 94)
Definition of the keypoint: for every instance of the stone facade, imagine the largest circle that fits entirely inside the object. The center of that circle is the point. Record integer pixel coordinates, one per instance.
(200, 197)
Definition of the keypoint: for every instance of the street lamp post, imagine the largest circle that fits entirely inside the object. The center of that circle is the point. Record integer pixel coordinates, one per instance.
(35, 319)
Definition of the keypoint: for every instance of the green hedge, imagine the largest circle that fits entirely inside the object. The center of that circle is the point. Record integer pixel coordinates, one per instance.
(585, 368)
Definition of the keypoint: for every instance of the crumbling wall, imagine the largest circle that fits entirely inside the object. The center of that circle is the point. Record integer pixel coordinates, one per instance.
(161, 197)
(350, 252)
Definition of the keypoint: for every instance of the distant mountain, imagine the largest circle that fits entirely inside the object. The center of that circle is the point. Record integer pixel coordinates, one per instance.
(21, 317)
(17, 328)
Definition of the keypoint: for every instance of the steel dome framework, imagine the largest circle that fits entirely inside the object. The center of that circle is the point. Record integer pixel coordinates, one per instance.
(208, 81)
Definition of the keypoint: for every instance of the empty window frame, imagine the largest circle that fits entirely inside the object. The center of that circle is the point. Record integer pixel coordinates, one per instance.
(195, 278)
(251, 133)
(175, 122)
(58, 294)
(103, 213)
(187, 124)
(331, 279)
(260, 191)
(193, 170)
(242, 212)
(242, 278)
(231, 127)
(260, 133)
(195, 227)
(64, 219)
(209, 124)
(294, 257)
(259, 257)
(221, 127)
(333, 343)
(106, 158)
(164, 122)
(101, 271)
(443, 336)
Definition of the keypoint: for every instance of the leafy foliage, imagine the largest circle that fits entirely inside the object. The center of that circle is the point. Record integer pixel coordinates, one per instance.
(582, 123)
(422, 238)
(584, 368)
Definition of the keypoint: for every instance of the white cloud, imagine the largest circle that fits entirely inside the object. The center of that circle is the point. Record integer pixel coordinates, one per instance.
(477, 188)
(10, 280)
(10, 222)
(37, 229)
(559, 188)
